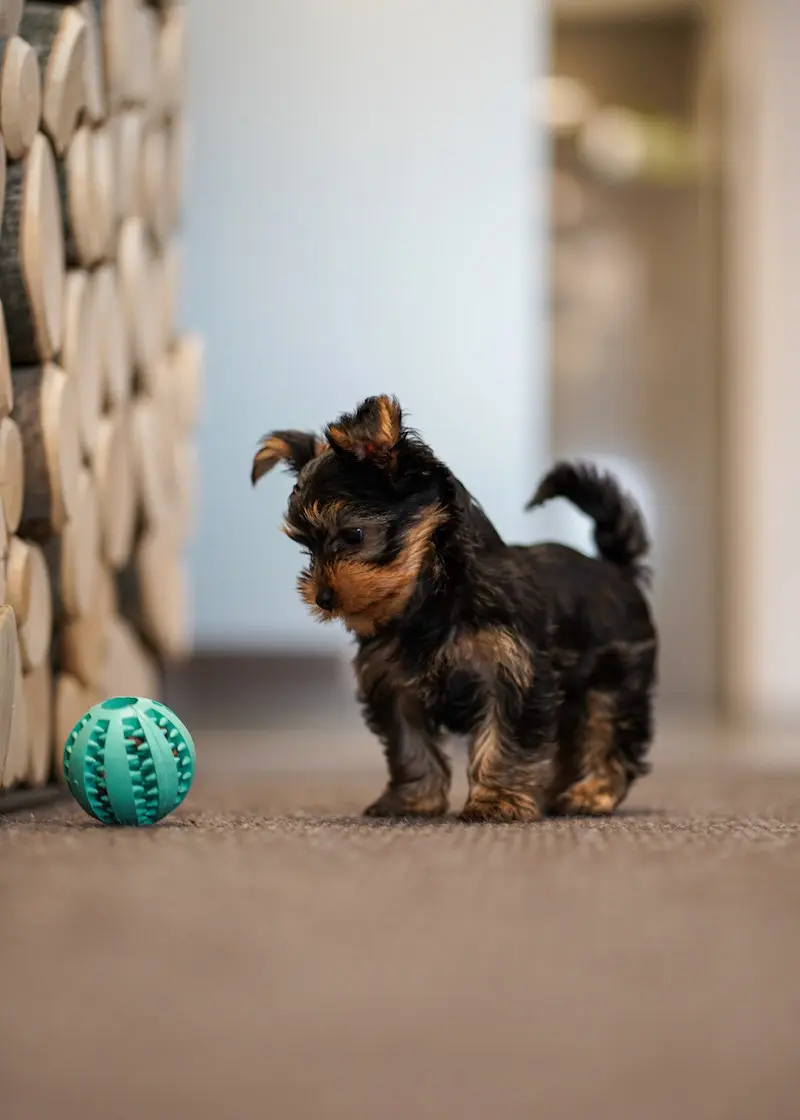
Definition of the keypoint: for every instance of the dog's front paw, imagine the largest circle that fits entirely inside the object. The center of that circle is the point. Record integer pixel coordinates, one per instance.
(498, 807)
(408, 802)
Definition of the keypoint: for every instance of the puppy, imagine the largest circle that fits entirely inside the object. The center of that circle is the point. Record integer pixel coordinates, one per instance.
(544, 658)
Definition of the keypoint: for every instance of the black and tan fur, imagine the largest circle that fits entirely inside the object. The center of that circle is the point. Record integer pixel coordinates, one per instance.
(543, 657)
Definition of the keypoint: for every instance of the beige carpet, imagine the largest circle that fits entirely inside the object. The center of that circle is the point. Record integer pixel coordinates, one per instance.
(264, 954)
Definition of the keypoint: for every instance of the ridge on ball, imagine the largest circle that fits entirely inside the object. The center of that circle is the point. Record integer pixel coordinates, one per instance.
(129, 761)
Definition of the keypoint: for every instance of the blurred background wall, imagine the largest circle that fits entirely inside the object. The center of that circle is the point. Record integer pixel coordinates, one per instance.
(551, 229)
(364, 215)
(634, 285)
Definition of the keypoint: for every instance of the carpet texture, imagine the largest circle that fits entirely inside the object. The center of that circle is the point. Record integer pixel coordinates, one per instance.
(265, 954)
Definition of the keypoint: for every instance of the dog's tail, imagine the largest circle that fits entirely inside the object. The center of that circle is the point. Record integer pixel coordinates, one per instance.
(619, 529)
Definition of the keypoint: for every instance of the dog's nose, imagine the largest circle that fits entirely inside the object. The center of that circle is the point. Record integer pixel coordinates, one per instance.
(325, 599)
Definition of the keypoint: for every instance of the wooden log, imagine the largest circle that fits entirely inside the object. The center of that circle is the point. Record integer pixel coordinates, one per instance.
(188, 356)
(114, 472)
(71, 702)
(72, 557)
(152, 592)
(104, 193)
(172, 61)
(20, 95)
(58, 34)
(29, 594)
(10, 15)
(155, 183)
(46, 411)
(119, 34)
(154, 468)
(172, 286)
(3, 176)
(12, 473)
(176, 162)
(4, 547)
(127, 130)
(13, 721)
(6, 383)
(9, 658)
(94, 68)
(17, 762)
(81, 357)
(75, 176)
(160, 307)
(186, 473)
(38, 688)
(143, 50)
(138, 305)
(32, 257)
(82, 643)
(130, 669)
(117, 364)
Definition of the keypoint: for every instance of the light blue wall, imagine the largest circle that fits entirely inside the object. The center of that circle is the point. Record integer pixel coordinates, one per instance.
(363, 215)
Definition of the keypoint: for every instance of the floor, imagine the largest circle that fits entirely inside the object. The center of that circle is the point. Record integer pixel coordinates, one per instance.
(266, 953)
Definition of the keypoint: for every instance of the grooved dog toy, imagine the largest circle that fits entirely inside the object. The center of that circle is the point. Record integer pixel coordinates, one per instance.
(129, 761)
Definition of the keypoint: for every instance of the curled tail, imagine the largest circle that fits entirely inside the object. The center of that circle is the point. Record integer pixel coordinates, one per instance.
(620, 532)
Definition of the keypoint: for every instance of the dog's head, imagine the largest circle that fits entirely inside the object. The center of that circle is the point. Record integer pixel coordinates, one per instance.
(368, 500)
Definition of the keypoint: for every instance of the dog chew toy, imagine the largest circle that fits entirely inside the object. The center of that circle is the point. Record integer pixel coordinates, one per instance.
(129, 761)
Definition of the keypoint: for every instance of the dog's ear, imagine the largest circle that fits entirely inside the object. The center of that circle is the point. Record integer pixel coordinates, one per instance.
(372, 432)
(293, 448)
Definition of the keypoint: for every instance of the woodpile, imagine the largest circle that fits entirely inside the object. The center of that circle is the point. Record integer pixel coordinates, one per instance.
(99, 390)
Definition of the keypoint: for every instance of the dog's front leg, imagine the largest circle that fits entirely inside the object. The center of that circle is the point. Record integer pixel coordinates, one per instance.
(419, 770)
(512, 752)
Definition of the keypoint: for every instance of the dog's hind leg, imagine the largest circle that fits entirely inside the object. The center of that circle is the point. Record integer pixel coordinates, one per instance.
(611, 732)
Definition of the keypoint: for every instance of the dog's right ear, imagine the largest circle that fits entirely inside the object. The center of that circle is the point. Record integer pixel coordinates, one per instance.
(293, 448)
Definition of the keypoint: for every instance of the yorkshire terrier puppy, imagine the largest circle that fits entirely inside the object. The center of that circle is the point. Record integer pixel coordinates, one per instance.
(543, 657)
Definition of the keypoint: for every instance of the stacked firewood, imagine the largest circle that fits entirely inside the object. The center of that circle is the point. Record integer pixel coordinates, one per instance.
(98, 390)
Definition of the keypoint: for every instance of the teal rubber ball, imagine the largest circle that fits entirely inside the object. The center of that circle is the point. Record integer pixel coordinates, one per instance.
(129, 761)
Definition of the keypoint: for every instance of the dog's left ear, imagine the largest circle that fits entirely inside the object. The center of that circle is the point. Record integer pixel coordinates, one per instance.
(372, 432)
(293, 448)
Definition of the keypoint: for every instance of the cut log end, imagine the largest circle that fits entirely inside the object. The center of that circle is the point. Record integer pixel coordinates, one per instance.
(13, 716)
(83, 642)
(59, 37)
(32, 257)
(6, 383)
(46, 411)
(103, 193)
(172, 60)
(117, 364)
(38, 690)
(115, 479)
(20, 96)
(5, 541)
(82, 353)
(9, 659)
(127, 130)
(155, 182)
(130, 670)
(12, 473)
(188, 358)
(94, 67)
(73, 556)
(30, 596)
(153, 463)
(136, 291)
(75, 180)
(153, 596)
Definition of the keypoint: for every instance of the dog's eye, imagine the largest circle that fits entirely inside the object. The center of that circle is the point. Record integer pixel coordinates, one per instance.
(352, 537)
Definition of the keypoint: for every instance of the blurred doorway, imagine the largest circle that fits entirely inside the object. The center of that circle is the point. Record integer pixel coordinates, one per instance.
(631, 108)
